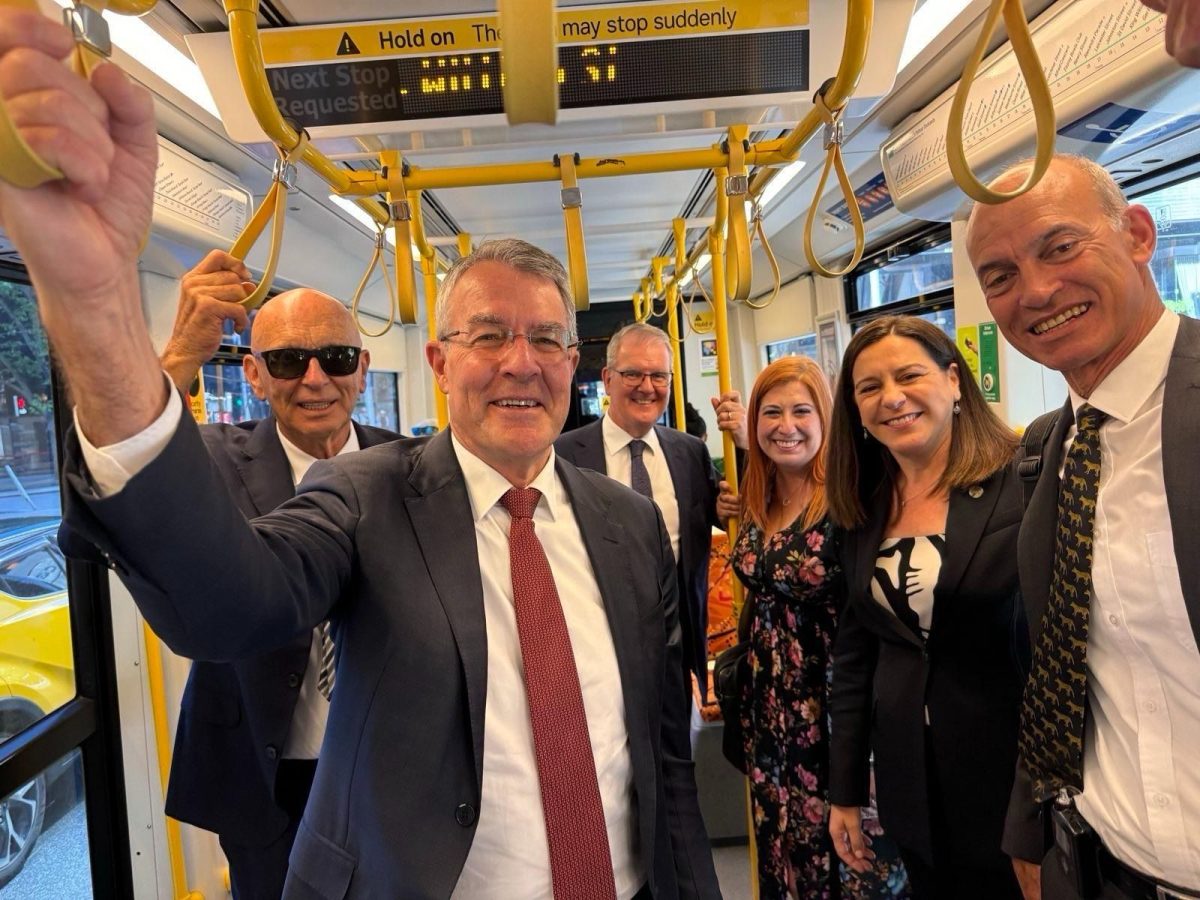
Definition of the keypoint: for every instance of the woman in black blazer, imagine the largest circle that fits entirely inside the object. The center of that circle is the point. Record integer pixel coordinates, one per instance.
(930, 657)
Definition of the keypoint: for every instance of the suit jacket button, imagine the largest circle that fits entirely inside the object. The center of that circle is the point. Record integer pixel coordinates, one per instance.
(272, 752)
(464, 815)
(974, 492)
(293, 680)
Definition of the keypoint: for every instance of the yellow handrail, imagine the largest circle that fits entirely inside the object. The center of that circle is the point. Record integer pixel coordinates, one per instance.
(1039, 96)
(429, 267)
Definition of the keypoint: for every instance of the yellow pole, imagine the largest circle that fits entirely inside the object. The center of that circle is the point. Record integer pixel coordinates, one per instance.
(676, 357)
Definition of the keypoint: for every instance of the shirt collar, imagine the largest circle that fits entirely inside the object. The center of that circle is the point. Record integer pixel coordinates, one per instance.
(1127, 388)
(617, 438)
(301, 460)
(485, 486)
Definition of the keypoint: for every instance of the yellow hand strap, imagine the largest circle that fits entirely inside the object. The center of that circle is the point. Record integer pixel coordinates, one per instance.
(1039, 97)
(737, 253)
(401, 212)
(572, 206)
(21, 167)
(529, 61)
(833, 159)
(771, 261)
(377, 259)
(273, 209)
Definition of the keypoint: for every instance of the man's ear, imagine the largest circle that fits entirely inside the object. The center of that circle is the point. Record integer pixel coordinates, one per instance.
(435, 355)
(364, 363)
(255, 376)
(1142, 232)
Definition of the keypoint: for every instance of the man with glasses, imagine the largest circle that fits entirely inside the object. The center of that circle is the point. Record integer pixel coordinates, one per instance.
(250, 731)
(669, 466)
(507, 718)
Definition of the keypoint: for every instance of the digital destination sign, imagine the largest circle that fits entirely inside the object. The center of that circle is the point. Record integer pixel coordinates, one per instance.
(664, 70)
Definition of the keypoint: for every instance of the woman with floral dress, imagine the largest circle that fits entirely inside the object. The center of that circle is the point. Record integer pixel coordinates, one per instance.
(785, 556)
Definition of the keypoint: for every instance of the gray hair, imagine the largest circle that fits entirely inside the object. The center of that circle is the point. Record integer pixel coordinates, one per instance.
(520, 255)
(1112, 201)
(638, 331)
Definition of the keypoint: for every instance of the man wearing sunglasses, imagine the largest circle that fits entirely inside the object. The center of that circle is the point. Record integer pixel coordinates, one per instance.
(249, 731)
(671, 467)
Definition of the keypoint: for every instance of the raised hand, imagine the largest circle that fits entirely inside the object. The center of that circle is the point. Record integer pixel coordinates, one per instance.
(209, 296)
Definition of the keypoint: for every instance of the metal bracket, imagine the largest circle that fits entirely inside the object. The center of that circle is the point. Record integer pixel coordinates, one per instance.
(834, 133)
(89, 29)
(380, 240)
(401, 211)
(285, 173)
(736, 185)
(572, 198)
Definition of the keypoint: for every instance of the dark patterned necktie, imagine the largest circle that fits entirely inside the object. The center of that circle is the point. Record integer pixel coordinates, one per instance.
(325, 673)
(580, 862)
(1052, 714)
(639, 475)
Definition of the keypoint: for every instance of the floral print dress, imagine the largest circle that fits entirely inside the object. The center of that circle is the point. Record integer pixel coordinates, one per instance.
(797, 587)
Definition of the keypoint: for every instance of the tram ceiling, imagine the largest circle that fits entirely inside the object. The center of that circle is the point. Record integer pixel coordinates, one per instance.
(618, 257)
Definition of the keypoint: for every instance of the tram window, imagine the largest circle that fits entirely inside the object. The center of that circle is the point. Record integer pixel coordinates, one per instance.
(37, 673)
(1176, 262)
(805, 345)
(43, 835)
(896, 277)
(379, 404)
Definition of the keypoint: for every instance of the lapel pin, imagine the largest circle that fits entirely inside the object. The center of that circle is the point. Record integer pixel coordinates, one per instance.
(974, 492)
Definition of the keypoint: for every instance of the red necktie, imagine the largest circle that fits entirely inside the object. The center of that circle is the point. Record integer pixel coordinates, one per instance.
(580, 863)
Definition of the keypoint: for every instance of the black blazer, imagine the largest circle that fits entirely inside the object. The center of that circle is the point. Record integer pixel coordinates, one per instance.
(1026, 835)
(382, 543)
(969, 675)
(235, 717)
(696, 490)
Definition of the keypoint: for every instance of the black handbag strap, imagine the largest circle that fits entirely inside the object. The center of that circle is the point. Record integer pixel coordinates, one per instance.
(746, 616)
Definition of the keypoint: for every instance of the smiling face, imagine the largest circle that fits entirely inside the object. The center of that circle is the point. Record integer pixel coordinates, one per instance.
(788, 429)
(905, 401)
(313, 411)
(506, 407)
(635, 409)
(1067, 288)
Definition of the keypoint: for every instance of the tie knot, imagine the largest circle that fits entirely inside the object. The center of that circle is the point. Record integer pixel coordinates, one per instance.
(636, 447)
(1089, 419)
(521, 502)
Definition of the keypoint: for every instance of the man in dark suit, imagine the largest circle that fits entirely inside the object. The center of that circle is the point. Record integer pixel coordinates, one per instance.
(1065, 271)
(249, 731)
(671, 467)
(472, 751)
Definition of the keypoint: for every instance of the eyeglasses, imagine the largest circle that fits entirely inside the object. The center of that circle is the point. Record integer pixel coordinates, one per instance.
(494, 340)
(633, 378)
(292, 362)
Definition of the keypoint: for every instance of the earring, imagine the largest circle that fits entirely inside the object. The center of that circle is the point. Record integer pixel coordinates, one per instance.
(957, 408)
(866, 434)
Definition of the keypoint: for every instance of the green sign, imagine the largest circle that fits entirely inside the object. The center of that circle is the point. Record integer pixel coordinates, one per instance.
(989, 362)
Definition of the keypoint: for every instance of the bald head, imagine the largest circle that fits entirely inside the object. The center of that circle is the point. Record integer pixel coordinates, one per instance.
(312, 408)
(303, 318)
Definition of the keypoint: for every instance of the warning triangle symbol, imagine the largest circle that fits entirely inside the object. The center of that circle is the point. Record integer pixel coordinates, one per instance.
(347, 47)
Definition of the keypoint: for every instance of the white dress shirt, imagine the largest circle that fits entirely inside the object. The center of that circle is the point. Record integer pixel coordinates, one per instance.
(617, 465)
(1141, 781)
(509, 856)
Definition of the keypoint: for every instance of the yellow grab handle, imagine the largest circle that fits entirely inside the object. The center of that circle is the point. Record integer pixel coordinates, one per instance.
(401, 212)
(833, 159)
(377, 259)
(572, 206)
(21, 167)
(1039, 96)
(776, 277)
(529, 61)
(737, 254)
(273, 209)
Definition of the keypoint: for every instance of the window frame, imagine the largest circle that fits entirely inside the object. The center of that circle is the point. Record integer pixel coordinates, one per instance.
(935, 301)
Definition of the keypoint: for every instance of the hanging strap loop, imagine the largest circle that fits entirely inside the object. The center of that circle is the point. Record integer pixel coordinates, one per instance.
(834, 134)
(273, 209)
(1039, 97)
(737, 184)
(776, 278)
(377, 259)
(572, 207)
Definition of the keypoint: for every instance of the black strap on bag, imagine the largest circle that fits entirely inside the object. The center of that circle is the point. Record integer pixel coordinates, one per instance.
(1033, 445)
(730, 673)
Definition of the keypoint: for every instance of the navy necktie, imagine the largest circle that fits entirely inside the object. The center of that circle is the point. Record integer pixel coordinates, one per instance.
(639, 476)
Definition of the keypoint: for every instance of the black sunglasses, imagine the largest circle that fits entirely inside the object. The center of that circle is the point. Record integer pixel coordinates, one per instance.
(292, 362)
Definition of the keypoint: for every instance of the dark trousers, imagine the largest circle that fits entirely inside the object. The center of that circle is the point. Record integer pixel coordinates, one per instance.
(258, 873)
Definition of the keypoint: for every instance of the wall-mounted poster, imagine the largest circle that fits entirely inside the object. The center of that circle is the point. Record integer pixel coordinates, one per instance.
(708, 356)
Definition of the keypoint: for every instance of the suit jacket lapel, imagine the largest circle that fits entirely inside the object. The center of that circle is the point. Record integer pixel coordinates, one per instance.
(264, 468)
(1180, 437)
(965, 522)
(589, 447)
(441, 517)
(604, 540)
(1035, 544)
